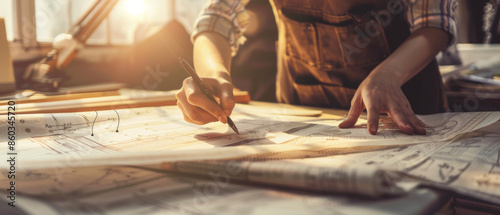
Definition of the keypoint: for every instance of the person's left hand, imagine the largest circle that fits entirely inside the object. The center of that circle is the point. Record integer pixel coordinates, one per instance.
(382, 93)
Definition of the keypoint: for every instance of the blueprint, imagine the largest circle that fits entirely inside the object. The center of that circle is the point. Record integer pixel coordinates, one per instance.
(130, 190)
(469, 165)
(121, 161)
(81, 136)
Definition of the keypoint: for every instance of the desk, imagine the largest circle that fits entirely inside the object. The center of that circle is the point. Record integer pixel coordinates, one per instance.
(133, 186)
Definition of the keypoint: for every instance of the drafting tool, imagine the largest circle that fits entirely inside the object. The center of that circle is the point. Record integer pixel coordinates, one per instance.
(46, 74)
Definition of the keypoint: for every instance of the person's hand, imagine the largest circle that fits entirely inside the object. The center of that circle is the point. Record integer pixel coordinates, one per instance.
(197, 108)
(381, 93)
(381, 90)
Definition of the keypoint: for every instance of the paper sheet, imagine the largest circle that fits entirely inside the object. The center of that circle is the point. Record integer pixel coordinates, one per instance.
(77, 138)
(67, 156)
(469, 165)
(128, 190)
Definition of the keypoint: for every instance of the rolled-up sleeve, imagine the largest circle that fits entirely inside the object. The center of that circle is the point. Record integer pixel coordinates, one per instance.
(433, 13)
(225, 17)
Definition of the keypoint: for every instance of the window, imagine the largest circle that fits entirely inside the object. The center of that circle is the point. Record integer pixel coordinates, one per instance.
(187, 11)
(129, 21)
(6, 13)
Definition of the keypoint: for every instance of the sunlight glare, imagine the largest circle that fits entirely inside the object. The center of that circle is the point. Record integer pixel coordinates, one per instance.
(135, 7)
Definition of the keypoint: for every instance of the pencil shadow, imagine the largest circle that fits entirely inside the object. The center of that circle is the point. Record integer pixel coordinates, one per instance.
(267, 132)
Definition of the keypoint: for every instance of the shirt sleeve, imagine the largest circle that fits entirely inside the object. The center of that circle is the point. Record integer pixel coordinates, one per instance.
(433, 13)
(225, 17)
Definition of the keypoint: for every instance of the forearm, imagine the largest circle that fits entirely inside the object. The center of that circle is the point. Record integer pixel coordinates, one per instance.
(413, 55)
(212, 60)
(212, 55)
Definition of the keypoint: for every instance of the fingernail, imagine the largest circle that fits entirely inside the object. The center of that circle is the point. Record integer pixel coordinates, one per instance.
(344, 125)
(222, 119)
(373, 131)
(411, 129)
(421, 131)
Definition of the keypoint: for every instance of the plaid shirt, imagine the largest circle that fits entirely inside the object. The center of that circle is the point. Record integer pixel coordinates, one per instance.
(229, 18)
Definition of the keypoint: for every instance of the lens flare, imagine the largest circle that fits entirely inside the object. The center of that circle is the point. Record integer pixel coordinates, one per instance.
(135, 7)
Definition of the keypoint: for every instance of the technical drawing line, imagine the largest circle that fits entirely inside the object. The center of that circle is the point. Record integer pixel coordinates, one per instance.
(118, 120)
(498, 158)
(96, 114)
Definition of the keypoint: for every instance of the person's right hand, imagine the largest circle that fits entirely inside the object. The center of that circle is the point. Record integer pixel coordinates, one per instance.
(212, 61)
(197, 108)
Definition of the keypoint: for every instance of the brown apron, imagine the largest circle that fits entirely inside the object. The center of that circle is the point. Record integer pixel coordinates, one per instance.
(327, 47)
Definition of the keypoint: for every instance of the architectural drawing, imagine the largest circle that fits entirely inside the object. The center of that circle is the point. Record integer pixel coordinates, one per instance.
(130, 190)
(163, 129)
(69, 155)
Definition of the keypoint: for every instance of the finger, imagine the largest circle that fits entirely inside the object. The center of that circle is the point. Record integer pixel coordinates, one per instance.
(421, 123)
(401, 120)
(373, 116)
(211, 85)
(224, 90)
(193, 114)
(415, 122)
(354, 113)
(195, 98)
(201, 102)
(227, 98)
(186, 118)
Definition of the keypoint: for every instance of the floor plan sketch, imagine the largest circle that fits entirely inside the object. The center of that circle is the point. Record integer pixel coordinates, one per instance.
(163, 129)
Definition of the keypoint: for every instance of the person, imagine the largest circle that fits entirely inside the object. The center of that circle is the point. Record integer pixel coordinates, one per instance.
(377, 55)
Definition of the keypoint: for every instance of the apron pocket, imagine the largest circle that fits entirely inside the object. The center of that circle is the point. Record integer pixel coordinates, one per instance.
(301, 38)
(362, 44)
(321, 95)
(312, 95)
